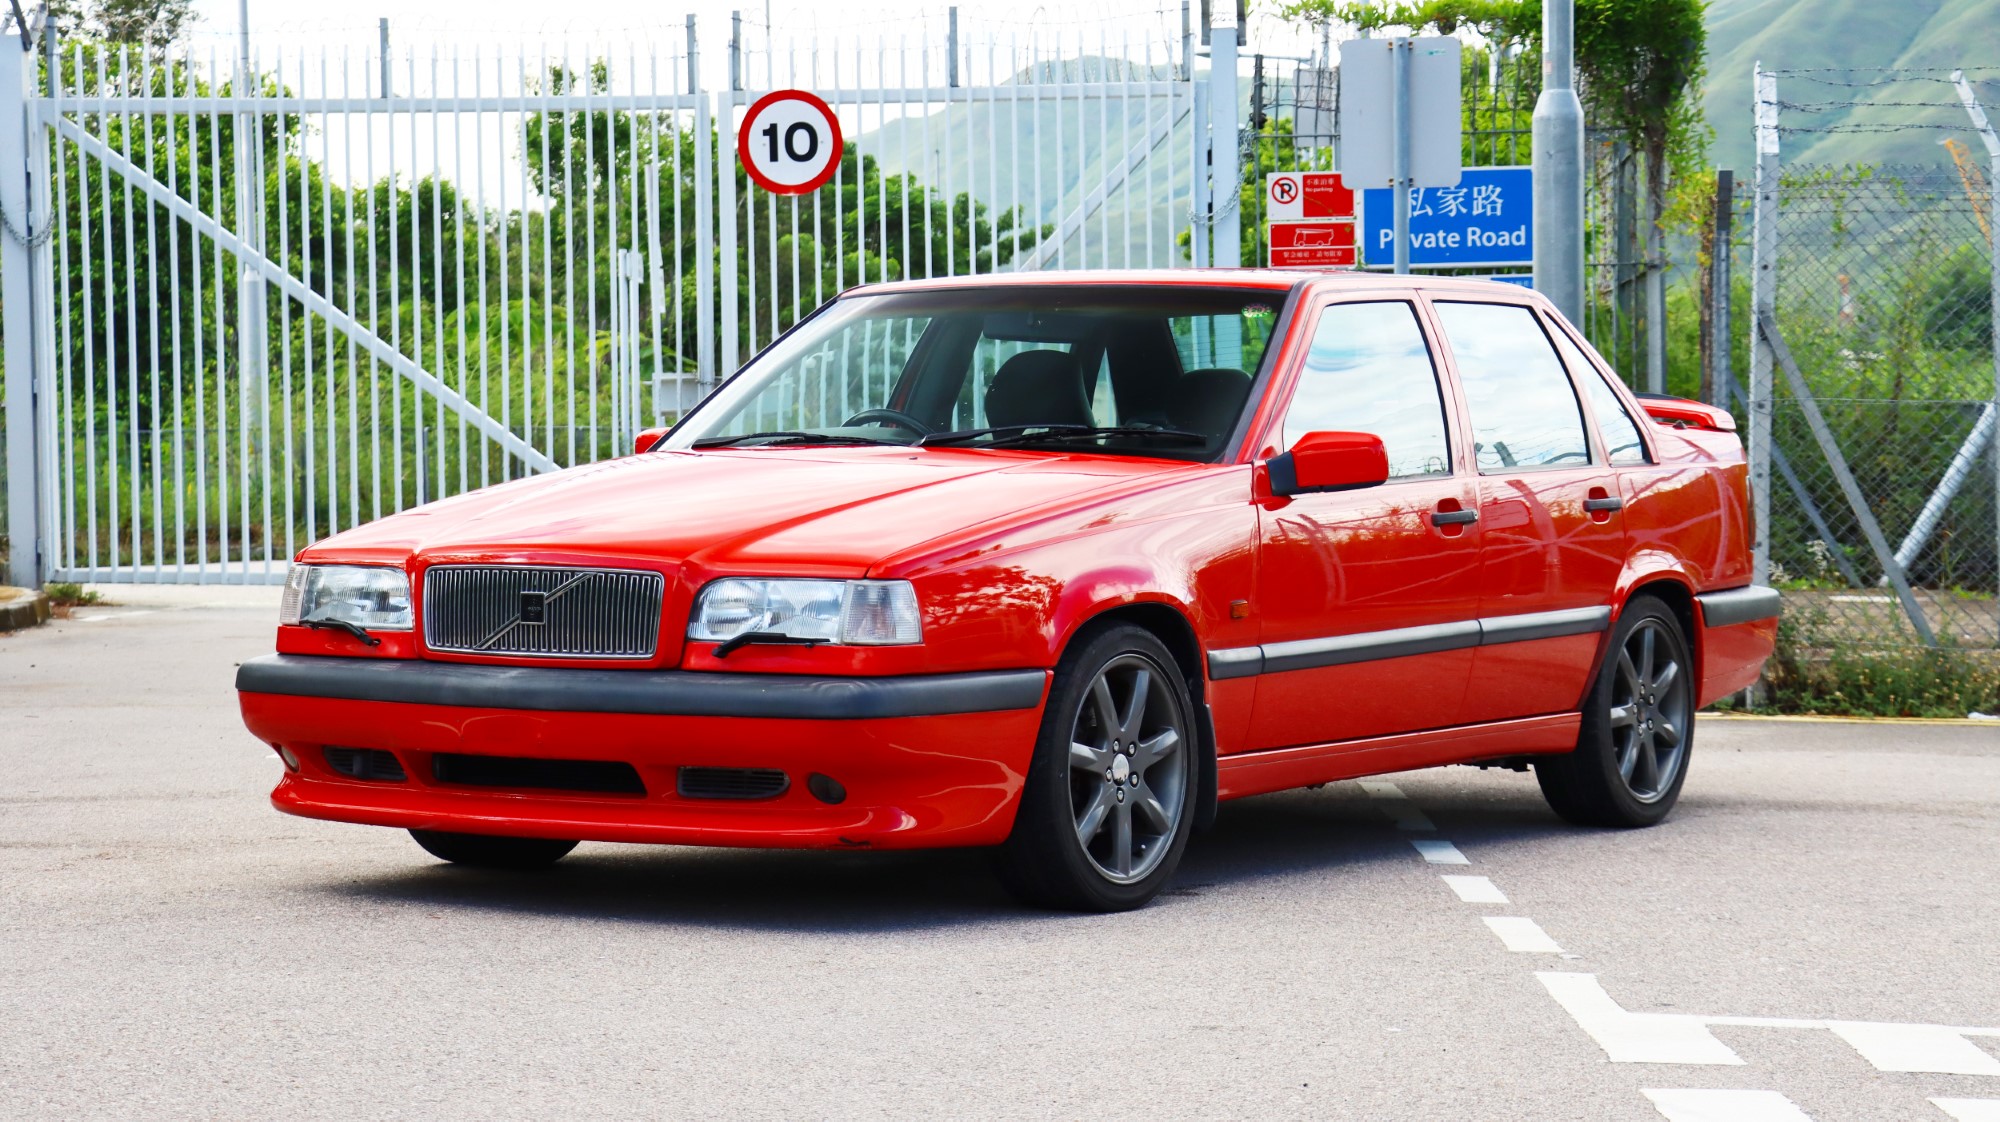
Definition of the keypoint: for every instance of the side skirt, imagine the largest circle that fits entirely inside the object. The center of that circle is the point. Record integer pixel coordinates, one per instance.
(1279, 769)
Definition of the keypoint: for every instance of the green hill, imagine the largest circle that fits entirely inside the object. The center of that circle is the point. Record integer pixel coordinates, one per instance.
(1897, 121)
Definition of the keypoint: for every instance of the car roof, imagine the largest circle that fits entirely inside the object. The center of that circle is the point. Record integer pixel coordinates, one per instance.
(1324, 281)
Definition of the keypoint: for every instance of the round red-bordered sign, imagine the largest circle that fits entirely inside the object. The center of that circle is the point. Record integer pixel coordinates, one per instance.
(790, 142)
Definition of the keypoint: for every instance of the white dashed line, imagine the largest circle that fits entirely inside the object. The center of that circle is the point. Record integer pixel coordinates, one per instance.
(1475, 890)
(1523, 935)
(1680, 1105)
(1927, 1048)
(1635, 1038)
(1439, 852)
(1407, 817)
(1970, 1110)
(1382, 789)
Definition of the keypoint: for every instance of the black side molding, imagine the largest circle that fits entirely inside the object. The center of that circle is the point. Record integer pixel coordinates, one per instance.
(670, 693)
(1368, 646)
(1739, 605)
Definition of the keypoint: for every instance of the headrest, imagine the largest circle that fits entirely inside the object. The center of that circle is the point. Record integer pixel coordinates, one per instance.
(1208, 401)
(1040, 387)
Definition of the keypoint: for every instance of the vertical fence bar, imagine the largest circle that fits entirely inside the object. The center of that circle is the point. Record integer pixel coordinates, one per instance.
(17, 296)
(1763, 304)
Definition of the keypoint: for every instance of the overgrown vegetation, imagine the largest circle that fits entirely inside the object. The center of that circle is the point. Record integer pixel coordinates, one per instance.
(1818, 672)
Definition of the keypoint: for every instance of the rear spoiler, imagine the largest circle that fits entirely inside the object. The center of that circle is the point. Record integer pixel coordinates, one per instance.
(1681, 413)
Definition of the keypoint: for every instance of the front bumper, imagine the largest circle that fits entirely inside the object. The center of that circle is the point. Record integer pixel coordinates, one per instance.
(929, 760)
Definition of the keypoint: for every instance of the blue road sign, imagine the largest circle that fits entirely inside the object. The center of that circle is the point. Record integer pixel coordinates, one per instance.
(1488, 219)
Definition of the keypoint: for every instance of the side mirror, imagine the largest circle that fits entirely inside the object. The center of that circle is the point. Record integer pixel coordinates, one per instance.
(1330, 461)
(647, 438)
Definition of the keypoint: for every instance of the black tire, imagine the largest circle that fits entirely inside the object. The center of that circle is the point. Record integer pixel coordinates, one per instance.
(487, 851)
(1107, 843)
(1638, 727)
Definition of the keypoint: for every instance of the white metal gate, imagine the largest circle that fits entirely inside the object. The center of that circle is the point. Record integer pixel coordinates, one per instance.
(455, 269)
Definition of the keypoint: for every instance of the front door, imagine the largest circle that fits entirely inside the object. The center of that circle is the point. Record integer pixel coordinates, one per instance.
(1549, 513)
(1368, 599)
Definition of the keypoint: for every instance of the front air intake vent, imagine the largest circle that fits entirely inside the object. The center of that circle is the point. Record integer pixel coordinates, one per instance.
(366, 763)
(607, 777)
(732, 783)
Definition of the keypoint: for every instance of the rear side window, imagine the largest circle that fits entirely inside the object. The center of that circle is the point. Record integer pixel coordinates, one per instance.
(1622, 443)
(1524, 412)
(1369, 370)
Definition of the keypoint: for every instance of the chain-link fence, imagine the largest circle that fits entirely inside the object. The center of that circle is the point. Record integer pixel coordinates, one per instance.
(1884, 307)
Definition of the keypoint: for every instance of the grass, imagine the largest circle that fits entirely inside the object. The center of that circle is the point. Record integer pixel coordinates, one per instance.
(1809, 674)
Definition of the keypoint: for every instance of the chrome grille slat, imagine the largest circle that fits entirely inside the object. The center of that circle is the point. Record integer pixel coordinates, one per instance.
(593, 613)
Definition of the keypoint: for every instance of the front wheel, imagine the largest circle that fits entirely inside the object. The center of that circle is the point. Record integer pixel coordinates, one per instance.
(1638, 727)
(1106, 811)
(489, 852)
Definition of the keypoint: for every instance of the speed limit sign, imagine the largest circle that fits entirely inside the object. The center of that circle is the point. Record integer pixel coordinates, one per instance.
(789, 142)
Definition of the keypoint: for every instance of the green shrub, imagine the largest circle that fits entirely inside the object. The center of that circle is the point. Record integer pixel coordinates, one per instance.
(1808, 674)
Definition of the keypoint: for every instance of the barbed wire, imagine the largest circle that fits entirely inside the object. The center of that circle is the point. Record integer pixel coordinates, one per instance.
(1875, 128)
(1830, 106)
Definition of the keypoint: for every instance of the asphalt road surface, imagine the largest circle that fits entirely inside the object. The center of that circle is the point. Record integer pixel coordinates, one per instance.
(1814, 934)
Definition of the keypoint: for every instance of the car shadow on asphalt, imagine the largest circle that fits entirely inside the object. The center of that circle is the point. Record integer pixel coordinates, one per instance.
(1302, 835)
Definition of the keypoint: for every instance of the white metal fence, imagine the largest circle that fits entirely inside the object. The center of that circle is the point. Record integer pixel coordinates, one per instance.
(277, 297)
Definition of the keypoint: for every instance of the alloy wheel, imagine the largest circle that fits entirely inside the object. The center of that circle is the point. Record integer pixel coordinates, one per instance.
(1128, 759)
(1650, 712)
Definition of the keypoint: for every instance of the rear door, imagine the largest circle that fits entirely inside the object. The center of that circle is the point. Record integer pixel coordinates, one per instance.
(1368, 598)
(1553, 540)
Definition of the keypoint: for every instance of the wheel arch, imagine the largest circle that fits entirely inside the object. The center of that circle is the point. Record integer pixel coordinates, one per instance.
(1172, 628)
(1676, 594)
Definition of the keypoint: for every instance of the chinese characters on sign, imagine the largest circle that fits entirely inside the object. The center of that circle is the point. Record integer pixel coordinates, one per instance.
(1487, 219)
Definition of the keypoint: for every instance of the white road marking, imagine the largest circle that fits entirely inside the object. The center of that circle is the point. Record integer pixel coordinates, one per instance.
(1970, 1110)
(1634, 1038)
(1523, 935)
(1407, 817)
(1926, 1048)
(1439, 851)
(1475, 890)
(1382, 789)
(1683, 1038)
(1686, 1105)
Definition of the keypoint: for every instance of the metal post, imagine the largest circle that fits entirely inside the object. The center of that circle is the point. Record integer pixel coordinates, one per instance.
(1655, 296)
(1725, 219)
(1223, 140)
(1978, 115)
(382, 27)
(704, 221)
(1201, 222)
(252, 373)
(18, 304)
(1558, 166)
(736, 50)
(1763, 305)
(951, 38)
(1400, 53)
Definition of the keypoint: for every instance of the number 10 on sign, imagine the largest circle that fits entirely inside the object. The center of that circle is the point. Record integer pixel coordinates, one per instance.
(789, 142)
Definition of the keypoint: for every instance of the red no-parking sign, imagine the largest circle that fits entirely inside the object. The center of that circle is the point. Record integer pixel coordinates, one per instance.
(789, 142)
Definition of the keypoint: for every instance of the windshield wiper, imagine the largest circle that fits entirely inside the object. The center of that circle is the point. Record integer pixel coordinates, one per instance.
(1016, 435)
(789, 436)
(326, 623)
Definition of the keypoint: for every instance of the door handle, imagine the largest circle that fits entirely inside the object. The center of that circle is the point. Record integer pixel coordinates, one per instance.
(1454, 517)
(1611, 503)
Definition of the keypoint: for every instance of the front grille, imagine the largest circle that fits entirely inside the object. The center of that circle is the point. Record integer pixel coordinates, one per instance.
(732, 783)
(542, 612)
(365, 763)
(601, 776)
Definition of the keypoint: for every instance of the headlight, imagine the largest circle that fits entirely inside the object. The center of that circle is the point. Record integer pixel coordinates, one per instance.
(857, 612)
(366, 596)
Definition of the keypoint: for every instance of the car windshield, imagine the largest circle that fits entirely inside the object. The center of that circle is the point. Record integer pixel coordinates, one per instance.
(1154, 370)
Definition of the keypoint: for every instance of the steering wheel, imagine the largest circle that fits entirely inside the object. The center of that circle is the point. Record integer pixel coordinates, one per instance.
(895, 417)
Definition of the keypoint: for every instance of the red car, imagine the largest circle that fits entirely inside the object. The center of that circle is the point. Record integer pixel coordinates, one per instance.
(1048, 564)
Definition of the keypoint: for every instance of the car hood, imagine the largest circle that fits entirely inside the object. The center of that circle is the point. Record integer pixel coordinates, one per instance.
(816, 511)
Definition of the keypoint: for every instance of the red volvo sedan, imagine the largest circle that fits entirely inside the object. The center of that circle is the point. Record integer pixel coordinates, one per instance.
(1048, 564)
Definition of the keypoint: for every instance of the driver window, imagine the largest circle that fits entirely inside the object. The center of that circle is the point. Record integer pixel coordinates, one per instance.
(1369, 370)
(1524, 409)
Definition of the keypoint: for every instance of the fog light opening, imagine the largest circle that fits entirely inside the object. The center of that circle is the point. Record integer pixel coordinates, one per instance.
(285, 754)
(826, 788)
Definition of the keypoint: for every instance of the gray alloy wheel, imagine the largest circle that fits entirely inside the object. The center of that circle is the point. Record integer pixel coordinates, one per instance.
(1108, 802)
(1637, 732)
(1127, 759)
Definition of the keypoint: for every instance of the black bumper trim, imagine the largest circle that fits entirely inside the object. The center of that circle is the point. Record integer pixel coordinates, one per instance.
(652, 693)
(1739, 605)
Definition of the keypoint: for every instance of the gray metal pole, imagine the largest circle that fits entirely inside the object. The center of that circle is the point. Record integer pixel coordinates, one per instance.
(1400, 52)
(1725, 219)
(1763, 306)
(1223, 139)
(1978, 115)
(383, 28)
(1558, 164)
(17, 302)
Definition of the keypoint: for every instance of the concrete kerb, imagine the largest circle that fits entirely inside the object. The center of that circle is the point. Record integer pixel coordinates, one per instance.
(22, 608)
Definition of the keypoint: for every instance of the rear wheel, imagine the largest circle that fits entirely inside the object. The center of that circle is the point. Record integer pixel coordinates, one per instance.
(1106, 811)
(489, 852)
(1638, 727)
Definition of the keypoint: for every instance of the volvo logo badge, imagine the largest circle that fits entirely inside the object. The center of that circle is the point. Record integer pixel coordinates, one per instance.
(534, 607)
